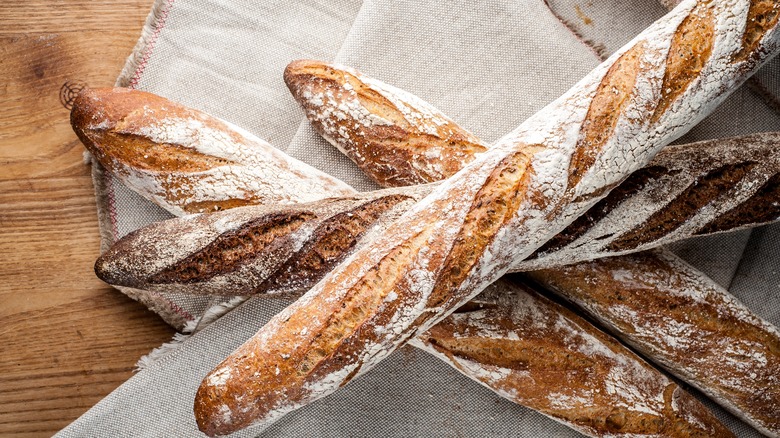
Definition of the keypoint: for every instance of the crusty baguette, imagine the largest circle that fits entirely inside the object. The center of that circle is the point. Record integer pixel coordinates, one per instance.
(492, 214)
(252, 250)
(670, 312)
(634, 295)
(541, 355)
(679, 175)
(393, 136)
(187, 161)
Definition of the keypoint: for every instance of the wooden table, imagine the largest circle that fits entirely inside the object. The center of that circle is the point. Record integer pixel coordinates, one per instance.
(66, 338)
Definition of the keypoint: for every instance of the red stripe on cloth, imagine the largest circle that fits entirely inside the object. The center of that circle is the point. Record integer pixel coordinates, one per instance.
(159, 25)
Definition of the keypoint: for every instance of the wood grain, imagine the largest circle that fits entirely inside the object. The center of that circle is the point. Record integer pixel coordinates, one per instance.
(67, 338)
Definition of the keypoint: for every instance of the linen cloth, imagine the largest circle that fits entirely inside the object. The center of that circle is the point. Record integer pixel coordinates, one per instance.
(488, 65)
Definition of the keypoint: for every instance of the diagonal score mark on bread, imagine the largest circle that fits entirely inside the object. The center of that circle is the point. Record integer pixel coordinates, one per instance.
(690, 49)
(691, 200)
(491, 209)
(762, 16)
(609, 101)
(329, 242)
(761, 206)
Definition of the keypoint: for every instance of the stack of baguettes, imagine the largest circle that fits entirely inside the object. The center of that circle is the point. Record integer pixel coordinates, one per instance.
(611, 93)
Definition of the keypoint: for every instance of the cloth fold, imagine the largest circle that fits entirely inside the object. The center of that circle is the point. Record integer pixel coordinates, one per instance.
(488, 65)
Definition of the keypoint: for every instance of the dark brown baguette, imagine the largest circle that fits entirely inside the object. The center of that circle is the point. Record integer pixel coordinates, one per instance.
(491, 215)
(252, 250)
(640, 206)
(187, 161)
(543, 356)
(670, 312)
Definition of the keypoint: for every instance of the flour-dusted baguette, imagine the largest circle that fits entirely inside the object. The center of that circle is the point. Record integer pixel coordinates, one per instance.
(187, 161)
(706, 183)
(254, 249)
(683, 192)
(393, 136)
(491, 215)
(670, 312)
(543, 356)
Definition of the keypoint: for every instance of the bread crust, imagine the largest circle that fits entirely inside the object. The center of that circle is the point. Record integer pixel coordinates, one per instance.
(379, 298)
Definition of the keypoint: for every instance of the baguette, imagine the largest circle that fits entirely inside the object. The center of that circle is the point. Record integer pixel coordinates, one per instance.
(541, 355)
(251, 250)
(631, 295)
(492, 214)
(187, 161)
(670, 312)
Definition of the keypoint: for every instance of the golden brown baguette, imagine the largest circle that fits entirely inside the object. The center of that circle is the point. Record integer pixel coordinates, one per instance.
(187, 161)
(492, 214)
(678, 175)
(393, 136)
(670, 312)
(748, 387)
(543, 356)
